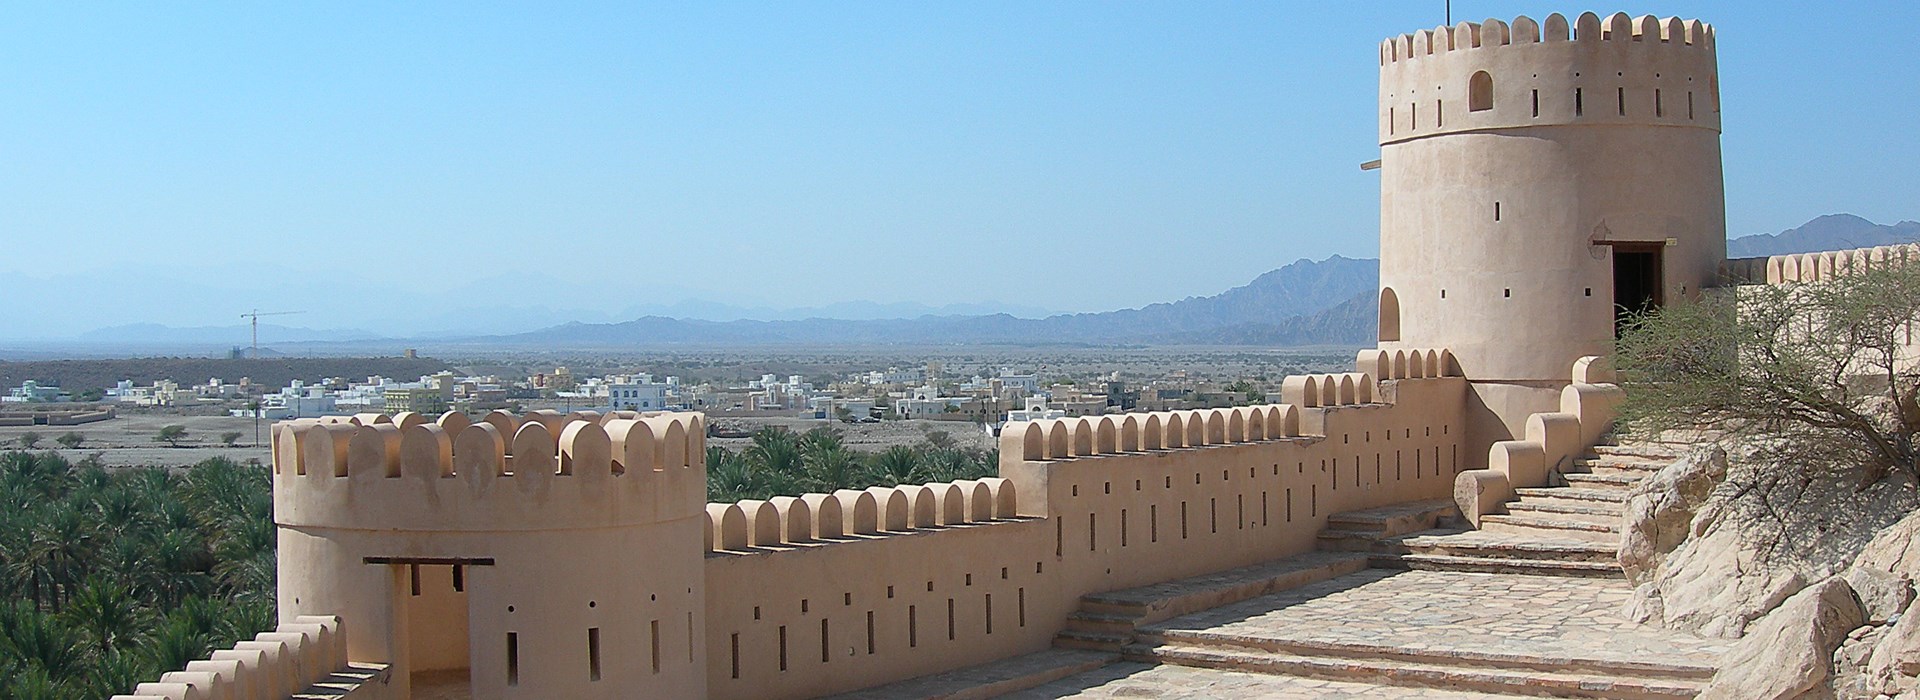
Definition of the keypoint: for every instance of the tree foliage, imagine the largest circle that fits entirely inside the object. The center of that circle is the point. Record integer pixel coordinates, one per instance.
(112, 578)
(780, 462)
(1822, 371)
(172, 435)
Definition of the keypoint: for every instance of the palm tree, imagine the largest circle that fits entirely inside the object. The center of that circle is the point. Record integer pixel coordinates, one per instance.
(898, 465)
(107, 613)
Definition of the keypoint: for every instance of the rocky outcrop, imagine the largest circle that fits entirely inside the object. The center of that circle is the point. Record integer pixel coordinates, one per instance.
(1790, 651)
(1714, 542)
(1660, 510)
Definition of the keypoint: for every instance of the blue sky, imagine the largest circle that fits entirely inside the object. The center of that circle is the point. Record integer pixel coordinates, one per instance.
(438, 160)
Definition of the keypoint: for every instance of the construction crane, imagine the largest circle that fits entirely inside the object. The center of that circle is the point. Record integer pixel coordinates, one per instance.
(255, 315)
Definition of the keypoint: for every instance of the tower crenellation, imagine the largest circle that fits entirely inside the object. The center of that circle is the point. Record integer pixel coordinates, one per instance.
(1614, 71)
(503, 472)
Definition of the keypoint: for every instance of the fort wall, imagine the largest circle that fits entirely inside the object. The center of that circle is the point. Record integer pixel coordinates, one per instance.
(920, 579)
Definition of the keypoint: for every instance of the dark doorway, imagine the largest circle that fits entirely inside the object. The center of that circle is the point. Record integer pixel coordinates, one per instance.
(1637, 285)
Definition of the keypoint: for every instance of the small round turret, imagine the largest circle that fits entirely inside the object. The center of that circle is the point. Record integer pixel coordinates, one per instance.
(534, 556)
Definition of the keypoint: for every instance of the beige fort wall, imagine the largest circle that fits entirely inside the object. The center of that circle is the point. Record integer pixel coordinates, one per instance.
(923, 579)
(606, 527)
(1503, 202)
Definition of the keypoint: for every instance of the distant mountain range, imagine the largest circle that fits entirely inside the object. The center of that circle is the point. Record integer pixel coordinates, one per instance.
(1306, 302)
(1328, 302)
(1830, 232)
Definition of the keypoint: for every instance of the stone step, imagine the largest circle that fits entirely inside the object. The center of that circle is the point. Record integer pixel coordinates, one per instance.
(1553, 525)
(1160, 601)
(1399, 519)
(344, 682)
(1084, 621)
(1569, 493)
(1087, 640)
(1621, 464)
(1640, 449)
(1604, 482)
(1491, 545)
(1495, 565)
(1424, 672)
(990, 680)
(1596, 510)
(1498, 657)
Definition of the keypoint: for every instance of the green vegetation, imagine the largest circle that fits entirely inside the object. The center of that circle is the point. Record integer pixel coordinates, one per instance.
(230, 437)
(1816, 371)
(783, 463)
(172, 435)
(70, 440)
(28, 440)
(111, 578)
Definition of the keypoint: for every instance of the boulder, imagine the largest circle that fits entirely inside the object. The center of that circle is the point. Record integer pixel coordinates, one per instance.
(1894, 549)
(1789, 652)
(1898, 652)
(1882, 593)
(1659, 512)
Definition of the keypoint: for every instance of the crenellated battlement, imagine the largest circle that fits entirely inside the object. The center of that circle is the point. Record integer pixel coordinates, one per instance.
(1816, 267)
(1408, 363)
(1069, 438)
(543, 470)
(852, 515)
(1493, 33)
(1496, 75)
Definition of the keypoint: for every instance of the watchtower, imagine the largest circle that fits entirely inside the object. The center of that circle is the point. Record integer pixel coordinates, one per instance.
(536, 556)
(1538, 181)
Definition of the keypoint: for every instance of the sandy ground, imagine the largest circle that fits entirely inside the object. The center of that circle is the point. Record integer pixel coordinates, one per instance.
(128, 440)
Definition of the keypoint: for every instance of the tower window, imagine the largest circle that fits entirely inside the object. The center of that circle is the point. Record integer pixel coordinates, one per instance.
(1620, 95)
(1659, 109)
(1536, 103)
(1579, 103)
(1496, 211)
(1439, 113)
(1507, 293)
(1689, 104)
(1480, 92)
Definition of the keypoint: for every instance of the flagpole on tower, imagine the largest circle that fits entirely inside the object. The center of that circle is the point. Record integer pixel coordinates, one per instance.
(1449, 13)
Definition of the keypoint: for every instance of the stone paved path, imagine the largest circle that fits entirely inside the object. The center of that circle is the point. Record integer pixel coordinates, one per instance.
(1453, 613)
(1137, 680)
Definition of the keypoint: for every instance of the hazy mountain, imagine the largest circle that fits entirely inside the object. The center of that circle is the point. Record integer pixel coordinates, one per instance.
(1296, 302)
(1830, 232)
(235, 335)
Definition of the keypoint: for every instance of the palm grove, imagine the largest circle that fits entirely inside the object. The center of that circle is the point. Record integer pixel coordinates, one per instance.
(112, 577)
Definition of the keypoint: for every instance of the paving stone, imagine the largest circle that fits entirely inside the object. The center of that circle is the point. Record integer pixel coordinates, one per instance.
(1137, 680)
(1466, 615)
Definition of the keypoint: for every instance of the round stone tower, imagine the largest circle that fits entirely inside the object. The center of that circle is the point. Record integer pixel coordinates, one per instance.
(537, 556)
(1537, 181)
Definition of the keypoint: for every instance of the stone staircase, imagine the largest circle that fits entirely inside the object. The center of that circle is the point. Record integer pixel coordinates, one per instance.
(1571, 528)
(1109, 621)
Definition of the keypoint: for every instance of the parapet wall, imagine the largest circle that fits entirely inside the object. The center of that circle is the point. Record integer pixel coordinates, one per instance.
(1815, 267)
(826, 593)
(1495, 75)
(273, 665)
(542, 471)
